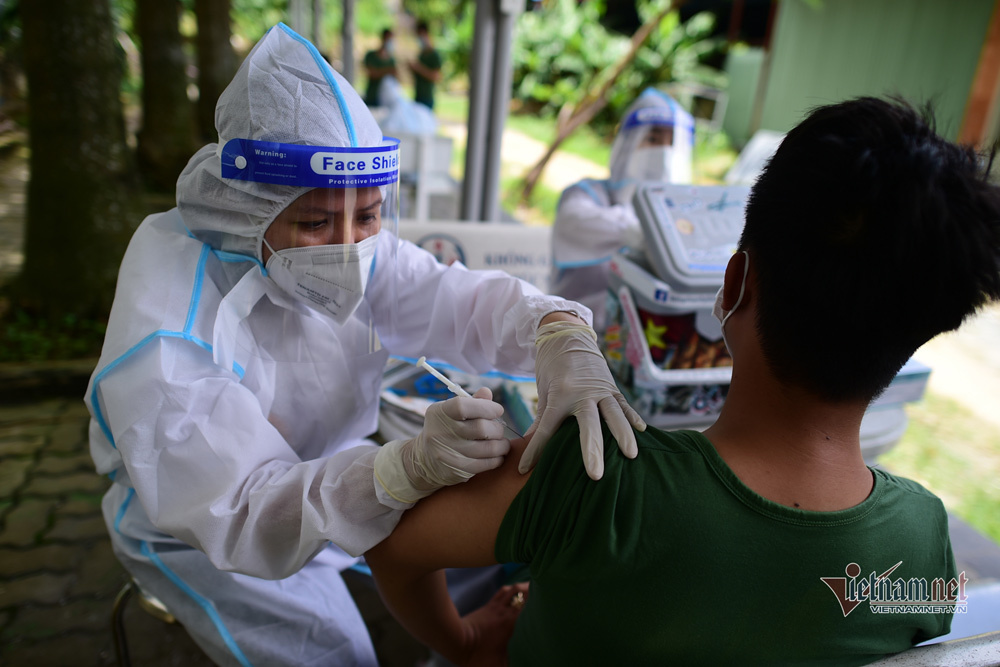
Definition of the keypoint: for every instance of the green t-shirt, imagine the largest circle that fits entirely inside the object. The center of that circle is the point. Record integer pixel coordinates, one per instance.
(372, 59)
(671, 559)
(423, 88)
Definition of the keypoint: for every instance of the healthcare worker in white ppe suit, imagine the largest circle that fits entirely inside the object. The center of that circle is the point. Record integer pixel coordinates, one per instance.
(241, 370)
(595, 218)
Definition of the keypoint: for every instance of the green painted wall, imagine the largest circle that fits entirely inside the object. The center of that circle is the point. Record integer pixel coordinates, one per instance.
(920, 49)
(743, 67)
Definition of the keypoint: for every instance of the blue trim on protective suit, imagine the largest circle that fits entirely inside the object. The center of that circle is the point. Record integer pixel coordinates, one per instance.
(196, 290)
(163, 333)
(586, 187)
(121, 510)
(581, 263)
(225, 256)
(324, 68)
(202, 602)
(491, 374)
(206, 605)
(98, 413)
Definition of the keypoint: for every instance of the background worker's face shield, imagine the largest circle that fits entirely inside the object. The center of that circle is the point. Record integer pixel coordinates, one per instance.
(654, 132)
(334, 247)
(655, 142)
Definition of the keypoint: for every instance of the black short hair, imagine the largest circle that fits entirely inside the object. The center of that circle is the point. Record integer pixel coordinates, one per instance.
(386, 33)
(869, 234)
(422, 26)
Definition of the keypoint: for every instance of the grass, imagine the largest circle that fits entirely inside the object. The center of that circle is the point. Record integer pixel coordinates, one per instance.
(450, 107)
(956, 455)
(585, 142)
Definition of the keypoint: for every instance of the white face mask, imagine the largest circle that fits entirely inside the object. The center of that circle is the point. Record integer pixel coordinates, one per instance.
(650, 164)
(717, 310)
(330, 279)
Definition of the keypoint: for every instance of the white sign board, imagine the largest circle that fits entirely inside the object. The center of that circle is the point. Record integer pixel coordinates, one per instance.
(522, 251)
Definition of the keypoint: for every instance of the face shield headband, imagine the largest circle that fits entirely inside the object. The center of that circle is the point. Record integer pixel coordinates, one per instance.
(351, 282)
(311, 166)
(653, 116)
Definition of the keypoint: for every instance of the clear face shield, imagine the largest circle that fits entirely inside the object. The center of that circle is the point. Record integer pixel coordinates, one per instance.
(659, 149)
(333, 249)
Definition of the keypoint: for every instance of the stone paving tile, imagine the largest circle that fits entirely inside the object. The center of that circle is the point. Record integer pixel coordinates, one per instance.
(34, 623)
(68, 437)
(48, 557)
(22, 444)
(100, 574)
(77, 408)
(81, 505)
(13, 474)
(75, 529)
(41, 410)
(57, 465)
(153, 643)
(82, 482)
(24, 522)
(26, 429)
(44, 588)
(79, 650)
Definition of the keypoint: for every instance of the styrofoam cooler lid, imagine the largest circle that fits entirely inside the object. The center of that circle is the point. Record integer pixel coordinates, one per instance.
(691, 231)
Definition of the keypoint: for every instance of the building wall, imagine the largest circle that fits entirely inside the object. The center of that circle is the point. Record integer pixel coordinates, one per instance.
(830, 50)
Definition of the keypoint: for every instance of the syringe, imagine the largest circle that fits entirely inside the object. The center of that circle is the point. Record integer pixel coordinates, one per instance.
(457, 389)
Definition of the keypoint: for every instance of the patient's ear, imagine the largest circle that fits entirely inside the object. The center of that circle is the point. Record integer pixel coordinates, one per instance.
(734, 280)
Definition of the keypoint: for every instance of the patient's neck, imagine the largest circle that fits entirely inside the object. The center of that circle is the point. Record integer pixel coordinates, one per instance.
(791, 447)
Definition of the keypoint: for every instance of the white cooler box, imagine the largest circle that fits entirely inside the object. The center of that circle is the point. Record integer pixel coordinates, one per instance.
(662, 342)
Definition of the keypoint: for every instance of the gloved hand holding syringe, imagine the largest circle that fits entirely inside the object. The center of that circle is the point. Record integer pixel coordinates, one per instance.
(461, 437)
(458, 390)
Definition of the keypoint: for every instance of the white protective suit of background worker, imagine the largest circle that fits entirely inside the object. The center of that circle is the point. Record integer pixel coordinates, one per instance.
(595, 218)
(241, 370)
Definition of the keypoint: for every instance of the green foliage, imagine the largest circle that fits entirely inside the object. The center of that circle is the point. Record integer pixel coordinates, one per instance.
(252, 18)
(540, 209)
(437, 12)
(26, 337)
(454, 39)
(955, 455)
(562, 50)
(585, 142)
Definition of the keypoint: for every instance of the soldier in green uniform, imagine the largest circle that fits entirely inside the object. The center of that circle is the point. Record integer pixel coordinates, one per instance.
(379, 63)
(426, 68)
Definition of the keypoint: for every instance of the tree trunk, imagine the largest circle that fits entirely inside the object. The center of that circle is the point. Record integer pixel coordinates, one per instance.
(570, 119)
(12, 89)
(166, 140)
(82, 202)
(216, 61)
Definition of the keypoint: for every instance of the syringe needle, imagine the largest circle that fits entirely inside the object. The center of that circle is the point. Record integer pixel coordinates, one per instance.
(457, 389)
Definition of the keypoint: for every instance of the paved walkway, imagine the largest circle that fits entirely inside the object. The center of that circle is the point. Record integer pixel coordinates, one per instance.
(58, 575)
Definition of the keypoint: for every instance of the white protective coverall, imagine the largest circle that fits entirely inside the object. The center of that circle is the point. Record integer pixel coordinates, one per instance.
(595, 218)
(237, 464)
